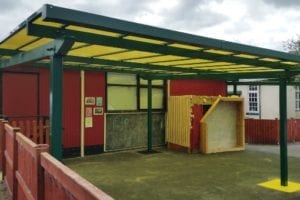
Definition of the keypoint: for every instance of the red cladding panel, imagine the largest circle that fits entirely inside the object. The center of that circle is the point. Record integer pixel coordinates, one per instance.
(197, 87)
(44, 92)
(20, 94)
(95, 87)
(71, 109)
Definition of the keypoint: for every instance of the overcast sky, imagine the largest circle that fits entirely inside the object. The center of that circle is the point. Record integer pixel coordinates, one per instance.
(264, 23)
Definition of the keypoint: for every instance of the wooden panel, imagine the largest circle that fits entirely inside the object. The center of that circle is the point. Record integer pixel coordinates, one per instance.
(28, 167)
(10, 160)
(179, 120)
(296, 129)
(222, 127)
(38, 132)
(2, 143)
(262, 131)
(25, 179)
(63, 183)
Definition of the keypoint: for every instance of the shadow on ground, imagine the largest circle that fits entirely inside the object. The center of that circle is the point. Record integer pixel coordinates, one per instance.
(3, 191)
(172, 175)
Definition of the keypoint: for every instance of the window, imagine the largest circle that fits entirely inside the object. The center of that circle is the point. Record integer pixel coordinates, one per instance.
(121, 91)
(297, 98)
(253, 103)
(126, 92)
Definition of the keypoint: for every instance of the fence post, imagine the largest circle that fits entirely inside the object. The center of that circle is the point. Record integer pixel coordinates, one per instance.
(40, 171)
(15, 164)
(2, 143)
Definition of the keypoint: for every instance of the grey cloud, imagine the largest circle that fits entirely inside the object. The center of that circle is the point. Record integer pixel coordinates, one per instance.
(192, 15)
(240, 26)
(283, 3)
(120, 9)
(8, 5)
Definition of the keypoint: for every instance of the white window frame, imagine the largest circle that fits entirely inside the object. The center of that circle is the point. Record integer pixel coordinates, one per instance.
(253, 99)
(132, 95)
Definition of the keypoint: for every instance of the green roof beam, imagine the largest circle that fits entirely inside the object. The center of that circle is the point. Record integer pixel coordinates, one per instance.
(58, 47)
(8, 52)
(132, 65)
(89, 68)
(226, 76)
(68, 16)
(51, 32)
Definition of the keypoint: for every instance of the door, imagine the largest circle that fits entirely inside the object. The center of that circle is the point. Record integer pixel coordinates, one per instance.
(20, 94)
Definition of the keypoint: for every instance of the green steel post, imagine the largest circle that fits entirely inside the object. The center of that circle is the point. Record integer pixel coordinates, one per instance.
(234, 88)
(56, 73)
(149, 115)
(283, 133)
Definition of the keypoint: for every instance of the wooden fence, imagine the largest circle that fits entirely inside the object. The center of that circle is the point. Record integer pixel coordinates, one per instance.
(37, 130)
(31, 173)
(261, 131)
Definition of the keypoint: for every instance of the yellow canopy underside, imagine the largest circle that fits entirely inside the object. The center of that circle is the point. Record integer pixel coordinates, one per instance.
(23, 42)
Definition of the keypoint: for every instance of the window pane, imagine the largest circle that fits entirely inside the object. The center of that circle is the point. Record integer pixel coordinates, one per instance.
(154, 82)
(121, 98)
(253, 96)
(157, 98)
(121, 79)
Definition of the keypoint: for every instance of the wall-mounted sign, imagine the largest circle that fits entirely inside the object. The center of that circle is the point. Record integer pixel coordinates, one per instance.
(88, 111)
(89, 100)
(98, 101)
(98, 110)
(88, 122)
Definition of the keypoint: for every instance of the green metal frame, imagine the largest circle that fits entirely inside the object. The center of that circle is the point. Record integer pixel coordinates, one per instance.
(283, 133)
(227, 76)
(56, 73)
(57, 49)
(58, 14)
(149, 115)
(51, 32)
(132, 65)
(264, 82)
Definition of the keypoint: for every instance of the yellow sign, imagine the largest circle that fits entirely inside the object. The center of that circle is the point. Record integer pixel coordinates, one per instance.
(88, 121)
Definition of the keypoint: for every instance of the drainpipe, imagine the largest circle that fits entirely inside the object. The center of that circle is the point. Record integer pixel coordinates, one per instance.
(82, 92)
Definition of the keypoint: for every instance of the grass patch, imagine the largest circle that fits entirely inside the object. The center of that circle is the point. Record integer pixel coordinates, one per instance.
(172, 175)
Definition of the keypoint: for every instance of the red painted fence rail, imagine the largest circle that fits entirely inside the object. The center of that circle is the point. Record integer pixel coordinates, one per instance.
(31, 173)
(262, 131)
(37, 130)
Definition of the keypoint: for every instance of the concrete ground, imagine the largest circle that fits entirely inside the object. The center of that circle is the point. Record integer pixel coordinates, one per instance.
(173, 175)
(293, 149)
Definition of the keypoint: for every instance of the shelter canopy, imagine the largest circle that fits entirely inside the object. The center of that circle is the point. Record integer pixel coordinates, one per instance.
(108, 44)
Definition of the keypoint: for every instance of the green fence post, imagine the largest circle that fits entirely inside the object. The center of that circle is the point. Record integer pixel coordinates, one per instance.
(283, 133)
(56, 73)
(149, 113)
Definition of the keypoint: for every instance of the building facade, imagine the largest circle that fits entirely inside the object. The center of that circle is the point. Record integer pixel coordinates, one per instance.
(114, 114)
(262, 101)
